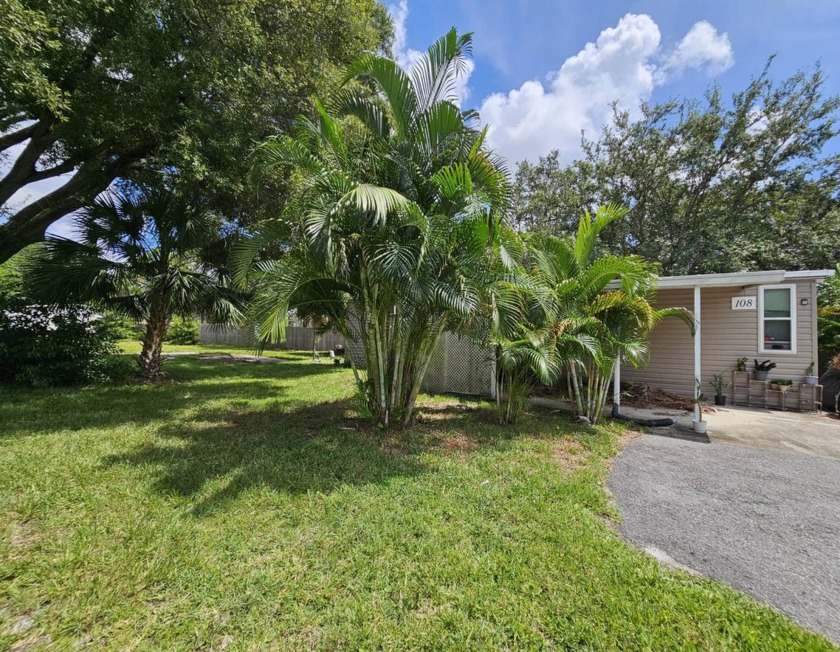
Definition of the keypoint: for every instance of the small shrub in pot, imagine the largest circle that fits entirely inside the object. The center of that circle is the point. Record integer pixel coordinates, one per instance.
(719, 384)
(810, 378)
(761, 369)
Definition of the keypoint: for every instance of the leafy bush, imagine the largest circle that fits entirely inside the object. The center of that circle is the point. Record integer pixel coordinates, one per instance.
(120, 327)
(45, 346)
(183, 331)
(828, 321)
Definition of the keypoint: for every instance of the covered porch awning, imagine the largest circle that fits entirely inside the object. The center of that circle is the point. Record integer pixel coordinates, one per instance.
(697, 282)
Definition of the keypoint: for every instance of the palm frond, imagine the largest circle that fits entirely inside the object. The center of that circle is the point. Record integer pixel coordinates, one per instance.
(435, 74)
(394, 84)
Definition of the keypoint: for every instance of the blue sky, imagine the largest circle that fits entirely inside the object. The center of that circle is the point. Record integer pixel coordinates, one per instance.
(546, 69)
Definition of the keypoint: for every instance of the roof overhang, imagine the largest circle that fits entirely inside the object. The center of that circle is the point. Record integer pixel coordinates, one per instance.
(809, 274)
(737, 279)
(734, 279)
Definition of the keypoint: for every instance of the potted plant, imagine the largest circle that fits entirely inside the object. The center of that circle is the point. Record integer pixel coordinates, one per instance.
(699, 400)
(761, 369)
(781, 384)
(720, 386)
(741, 364)
(810, 378)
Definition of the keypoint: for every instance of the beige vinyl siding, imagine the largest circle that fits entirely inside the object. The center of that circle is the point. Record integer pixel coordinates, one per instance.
(726, 336)
(671, 360)
(729, 334)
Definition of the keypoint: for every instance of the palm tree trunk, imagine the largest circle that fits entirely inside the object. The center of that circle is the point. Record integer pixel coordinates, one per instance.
(576, 389)
(423, 359)
(150, 363)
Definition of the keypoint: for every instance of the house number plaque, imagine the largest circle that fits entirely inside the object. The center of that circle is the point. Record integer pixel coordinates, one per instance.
(744, 303)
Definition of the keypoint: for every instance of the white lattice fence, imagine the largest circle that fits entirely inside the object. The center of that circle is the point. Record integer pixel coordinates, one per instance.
(458, 366)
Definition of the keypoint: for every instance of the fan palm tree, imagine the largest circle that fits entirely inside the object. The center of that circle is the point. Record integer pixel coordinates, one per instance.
(602, 308)
(140, 252)
(397, 207)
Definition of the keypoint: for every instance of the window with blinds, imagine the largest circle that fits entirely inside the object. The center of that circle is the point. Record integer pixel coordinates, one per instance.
(777, 318)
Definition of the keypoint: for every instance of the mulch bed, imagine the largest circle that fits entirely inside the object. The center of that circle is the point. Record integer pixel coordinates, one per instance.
(639, 395)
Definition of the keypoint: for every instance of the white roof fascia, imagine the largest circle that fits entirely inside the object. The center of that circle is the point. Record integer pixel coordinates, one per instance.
(735, 279)
(809, 274)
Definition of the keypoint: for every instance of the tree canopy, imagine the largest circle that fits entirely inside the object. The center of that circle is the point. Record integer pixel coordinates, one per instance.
(712, 186)
(105, 89)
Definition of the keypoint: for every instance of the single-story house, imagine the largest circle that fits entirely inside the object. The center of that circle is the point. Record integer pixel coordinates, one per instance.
(756, 315)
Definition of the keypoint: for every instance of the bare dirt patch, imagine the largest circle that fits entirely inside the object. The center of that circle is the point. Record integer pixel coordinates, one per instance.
(571, 454)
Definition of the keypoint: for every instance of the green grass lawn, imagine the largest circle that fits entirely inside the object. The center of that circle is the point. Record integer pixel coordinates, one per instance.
(238, 506)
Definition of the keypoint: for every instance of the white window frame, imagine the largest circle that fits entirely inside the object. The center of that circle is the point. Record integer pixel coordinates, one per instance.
(793, 331)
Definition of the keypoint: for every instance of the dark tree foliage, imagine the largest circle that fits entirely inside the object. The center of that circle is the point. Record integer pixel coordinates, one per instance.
(712, 186)
(45, 346)
(828, 321)
(105, 89)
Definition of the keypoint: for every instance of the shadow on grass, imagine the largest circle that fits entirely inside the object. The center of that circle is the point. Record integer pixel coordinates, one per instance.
(313, 448)
(190, 382)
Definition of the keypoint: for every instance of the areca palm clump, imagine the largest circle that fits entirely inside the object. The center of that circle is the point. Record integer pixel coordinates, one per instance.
(398, 210)
(564, 307)
(142, 252)
(517, 317)
(601, 309)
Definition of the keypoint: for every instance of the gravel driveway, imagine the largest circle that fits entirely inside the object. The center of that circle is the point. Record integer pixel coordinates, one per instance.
(765, 522)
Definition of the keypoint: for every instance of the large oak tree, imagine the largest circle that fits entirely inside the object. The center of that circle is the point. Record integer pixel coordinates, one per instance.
(713, 186)
(103, 89)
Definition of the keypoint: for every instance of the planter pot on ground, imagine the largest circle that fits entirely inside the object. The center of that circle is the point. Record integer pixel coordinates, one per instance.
(700, 427)
(760, 375)
(720, 400)
(811, 380)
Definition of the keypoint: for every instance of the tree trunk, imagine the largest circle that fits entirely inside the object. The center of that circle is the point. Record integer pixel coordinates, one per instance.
(149, 360)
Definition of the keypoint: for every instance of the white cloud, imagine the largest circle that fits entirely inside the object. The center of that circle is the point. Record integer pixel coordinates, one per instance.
(406, 56)
(702, 48)
(622, 66)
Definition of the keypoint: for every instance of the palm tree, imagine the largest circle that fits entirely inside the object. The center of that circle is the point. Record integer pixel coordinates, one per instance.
(139, 252)
(602, 308)
(397, 209)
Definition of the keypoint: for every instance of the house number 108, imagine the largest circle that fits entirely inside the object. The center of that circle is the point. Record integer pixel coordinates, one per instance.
(743, 303)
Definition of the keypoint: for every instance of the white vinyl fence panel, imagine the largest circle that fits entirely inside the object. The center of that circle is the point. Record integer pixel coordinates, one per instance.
(458, 365)
(298, 338)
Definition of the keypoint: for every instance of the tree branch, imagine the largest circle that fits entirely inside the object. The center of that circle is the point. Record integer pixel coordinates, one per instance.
(29, 224)
(24, 166)
(62, 168)
(11, 119)
(17, 137)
